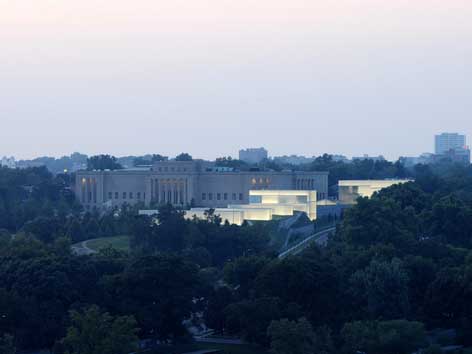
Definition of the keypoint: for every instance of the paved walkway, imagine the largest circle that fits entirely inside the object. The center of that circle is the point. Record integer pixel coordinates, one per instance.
(320, 238)
(81, 249)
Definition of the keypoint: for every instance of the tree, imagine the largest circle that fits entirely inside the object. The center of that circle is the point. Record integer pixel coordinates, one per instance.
(388, 337)
(251, 318)
(218, 300)
(242, 272)
(96, 332)
(103, 162)
(7, 344)
(384, 285)
(291, 337)
(298, 337)
(183, 157)
(159, 291)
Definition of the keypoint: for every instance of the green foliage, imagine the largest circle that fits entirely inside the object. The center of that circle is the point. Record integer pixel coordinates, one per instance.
(7, 344)
(183, 157)
(384, 286)
(291, 337)
(158, 290)
(388, 337)
(216, 243)
(34, 195)
(95, 332)
(103, 162)
(298, 337)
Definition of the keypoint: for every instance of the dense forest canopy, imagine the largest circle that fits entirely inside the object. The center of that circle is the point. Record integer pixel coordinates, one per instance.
(400, 263)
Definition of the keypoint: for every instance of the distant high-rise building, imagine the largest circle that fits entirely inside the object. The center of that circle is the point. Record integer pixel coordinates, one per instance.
(448, 141)
(452, 146)
(254, 155)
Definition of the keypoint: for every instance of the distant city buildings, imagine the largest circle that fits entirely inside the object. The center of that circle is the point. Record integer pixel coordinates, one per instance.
(447, 146)
(445, 142)
(9, 162)
(253, 155)
(452, 146)
(367, 157)
(293, 159)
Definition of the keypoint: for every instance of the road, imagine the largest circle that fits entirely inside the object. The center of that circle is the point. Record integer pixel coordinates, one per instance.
(320, 238)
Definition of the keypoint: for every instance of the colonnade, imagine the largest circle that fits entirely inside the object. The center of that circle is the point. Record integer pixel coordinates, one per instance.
(305, 183)
(170, 190)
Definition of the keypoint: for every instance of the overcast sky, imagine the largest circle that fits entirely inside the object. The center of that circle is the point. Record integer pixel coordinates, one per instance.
(211, 76)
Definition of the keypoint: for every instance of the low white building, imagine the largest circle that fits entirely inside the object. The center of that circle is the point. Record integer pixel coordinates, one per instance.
(263, 206)
(350, 190)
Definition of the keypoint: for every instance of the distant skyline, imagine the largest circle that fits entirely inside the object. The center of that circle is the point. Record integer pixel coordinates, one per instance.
(209, 77)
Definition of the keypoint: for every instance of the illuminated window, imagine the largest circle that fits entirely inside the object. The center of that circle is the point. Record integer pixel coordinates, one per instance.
(253, 181)
(84, 180)
(261, 180)
(267, 180)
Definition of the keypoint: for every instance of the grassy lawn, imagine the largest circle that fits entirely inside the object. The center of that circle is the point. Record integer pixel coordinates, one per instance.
(120, 243)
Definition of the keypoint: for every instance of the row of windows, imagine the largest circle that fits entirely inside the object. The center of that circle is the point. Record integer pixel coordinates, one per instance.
(126, 195)
(172, 169)
(222, 196)
(261, 180)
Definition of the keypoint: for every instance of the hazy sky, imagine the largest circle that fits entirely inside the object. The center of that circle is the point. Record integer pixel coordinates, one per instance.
(212, 76)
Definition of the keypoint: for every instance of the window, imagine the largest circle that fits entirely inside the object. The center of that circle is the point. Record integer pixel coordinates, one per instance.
(234, 196)
(116, 195)
(110, 195)
(255, 199)
(210, 196)
(218, 196)
(204, 196)
(130, 195)
(124, 195)
(225, 196)
(253, 181)
(138, 195)
(240, 196)
(144, 195)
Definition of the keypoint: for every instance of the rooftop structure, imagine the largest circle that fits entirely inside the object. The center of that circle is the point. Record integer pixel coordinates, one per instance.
(253, 155)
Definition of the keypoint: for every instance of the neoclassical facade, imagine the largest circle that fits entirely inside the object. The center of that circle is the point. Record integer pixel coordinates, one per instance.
(183, 183)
